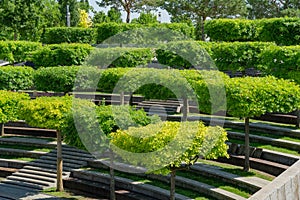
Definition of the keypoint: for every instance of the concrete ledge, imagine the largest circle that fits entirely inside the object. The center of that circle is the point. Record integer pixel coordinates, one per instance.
(286, 186)
(10, 163)
(127, 184)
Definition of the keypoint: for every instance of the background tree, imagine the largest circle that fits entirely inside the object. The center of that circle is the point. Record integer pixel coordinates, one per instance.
(22, 17)
(114, 15)
(74, 11)
(271, 8)
(145, 18)
(128, 6)
(100, 17)
(84, 20)
(199, 11)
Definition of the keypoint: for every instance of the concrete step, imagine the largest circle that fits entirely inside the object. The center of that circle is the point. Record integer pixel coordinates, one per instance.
(53, 162)
(48, 166)
(34, 176)
(25, 141)
(38, 173)
(250, 183)
(29, 180)
(75, 154)
(43, 170)
(29, 131)
(65, 156)
(21, 152)
(65, 160)
(23, 184)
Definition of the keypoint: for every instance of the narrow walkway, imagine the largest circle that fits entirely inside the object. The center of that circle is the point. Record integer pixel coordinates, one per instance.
(40, 174)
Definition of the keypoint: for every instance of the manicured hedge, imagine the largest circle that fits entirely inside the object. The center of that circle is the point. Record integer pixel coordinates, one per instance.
(236, 56)
(16, 78)
(61, 55)
(232, 30)
(120, 57)
(107, 30)
(281, 61)
(10, 105)
(17, 51)
(108, 119)
(282, 31)
(59, 35)
(46, 112)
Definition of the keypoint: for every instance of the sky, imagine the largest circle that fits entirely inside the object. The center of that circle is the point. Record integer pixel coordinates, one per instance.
(164, 14)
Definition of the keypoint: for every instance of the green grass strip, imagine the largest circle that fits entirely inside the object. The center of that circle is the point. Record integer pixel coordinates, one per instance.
(22, 147)
(179, 190)
(17, 158)
(266, 146)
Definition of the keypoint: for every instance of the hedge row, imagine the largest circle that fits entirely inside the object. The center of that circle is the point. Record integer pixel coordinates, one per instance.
(59, 35)
(107, 30)
(61, 55)
(17, 51)
(16, 78)
(282, 31)
(235, 56)
(10, 105)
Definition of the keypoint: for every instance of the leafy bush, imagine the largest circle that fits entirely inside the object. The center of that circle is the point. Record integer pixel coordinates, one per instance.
(232, 30)
(10, 105)
(16, 78)
(282, 31)
(107, 30)
(110, 77)
(59, 35)
(281, 61)
(236, 56)
(17, 51)
(46, 112)
(168, 145)
(61, 55)
(120, 57)
(253, 96)
(108, 119)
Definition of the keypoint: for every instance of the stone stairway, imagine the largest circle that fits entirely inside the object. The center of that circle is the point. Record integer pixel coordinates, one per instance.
(41, 173)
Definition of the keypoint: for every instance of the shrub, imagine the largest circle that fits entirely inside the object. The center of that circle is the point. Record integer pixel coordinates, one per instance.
(120, 57)
(168, 145)
(61, 54)
(108, 119)
(10, 105)
(46, 112)
(282, 31)
(281, 61)
(59, 35)
(236, 56)
(107, 30)
(16, 78)
(232, 30)
(17, 51)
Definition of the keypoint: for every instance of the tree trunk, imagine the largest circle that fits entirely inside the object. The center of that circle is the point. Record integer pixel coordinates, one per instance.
(185, 108)
(122, 99)
(15, 36)
(128, 16)
(131, 99)
(247, 145)
(172, 188)
(2, 129)
(202, 28)
(298, 119)
(112, 176)
(59, 167)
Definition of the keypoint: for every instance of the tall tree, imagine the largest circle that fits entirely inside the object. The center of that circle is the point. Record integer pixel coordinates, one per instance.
(271, 8)
(22, 17)
(128, 6)
(114, 15)
(200, 10)
(74, 11)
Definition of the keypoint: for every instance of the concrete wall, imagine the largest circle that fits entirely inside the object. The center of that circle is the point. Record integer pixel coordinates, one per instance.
(284, 187)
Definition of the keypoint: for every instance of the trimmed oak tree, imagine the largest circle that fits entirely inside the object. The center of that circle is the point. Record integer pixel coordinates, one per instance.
(166, 147)
(49, 112)
(254, 96)
(9, 107)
